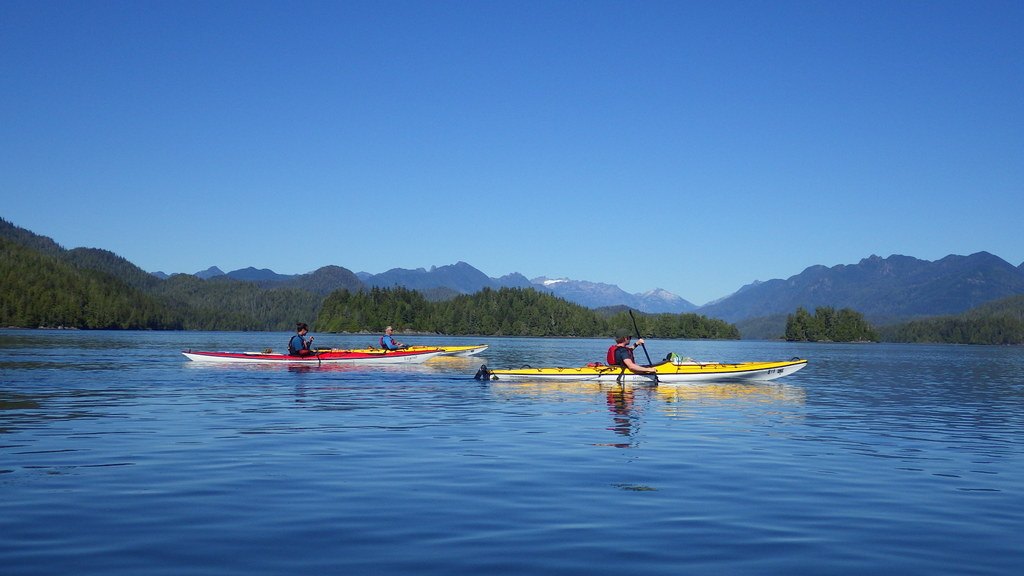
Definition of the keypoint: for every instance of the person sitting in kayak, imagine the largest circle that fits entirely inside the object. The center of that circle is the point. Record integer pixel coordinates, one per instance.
(621, 354)
(299, 345)
(388, 342)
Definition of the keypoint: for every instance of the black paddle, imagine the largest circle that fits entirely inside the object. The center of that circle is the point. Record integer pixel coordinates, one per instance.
(644, 346)
(639, 337)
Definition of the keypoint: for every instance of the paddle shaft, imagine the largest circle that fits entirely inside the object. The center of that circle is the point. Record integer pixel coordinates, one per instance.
(639, 337)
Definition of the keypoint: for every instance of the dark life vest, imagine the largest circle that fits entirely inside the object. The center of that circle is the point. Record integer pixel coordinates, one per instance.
(297, 344)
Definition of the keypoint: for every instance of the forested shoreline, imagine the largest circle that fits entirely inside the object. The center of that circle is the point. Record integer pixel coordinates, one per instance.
(95, 289)
(829, 325)
(999, 322)
(502, 312)
(45, 286)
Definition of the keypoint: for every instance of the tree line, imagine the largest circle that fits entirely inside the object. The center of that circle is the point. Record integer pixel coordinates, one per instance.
(828, 325)
(95, 289)
(501, 312)
(999, 322)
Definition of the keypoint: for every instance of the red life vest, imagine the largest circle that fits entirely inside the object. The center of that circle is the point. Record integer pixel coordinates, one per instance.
(610, 360)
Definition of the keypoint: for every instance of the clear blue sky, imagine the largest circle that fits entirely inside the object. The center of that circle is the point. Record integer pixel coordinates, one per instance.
(692, 146)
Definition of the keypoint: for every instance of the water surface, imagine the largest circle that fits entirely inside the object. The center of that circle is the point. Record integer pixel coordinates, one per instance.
(119, 456)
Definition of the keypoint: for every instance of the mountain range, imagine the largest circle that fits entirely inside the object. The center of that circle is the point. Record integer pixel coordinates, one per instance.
(884, 290)
(441, 282)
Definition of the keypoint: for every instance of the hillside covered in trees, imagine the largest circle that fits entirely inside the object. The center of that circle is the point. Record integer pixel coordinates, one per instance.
(828, 325)
(95, 289)
(39, 290)
(999, 322)
(502, 312)
(44, 285)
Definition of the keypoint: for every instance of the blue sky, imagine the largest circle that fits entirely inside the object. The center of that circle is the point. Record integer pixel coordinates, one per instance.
(691, 146)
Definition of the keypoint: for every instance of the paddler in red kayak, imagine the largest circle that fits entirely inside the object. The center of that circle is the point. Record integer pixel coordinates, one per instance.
(299, 345)
(388, 342)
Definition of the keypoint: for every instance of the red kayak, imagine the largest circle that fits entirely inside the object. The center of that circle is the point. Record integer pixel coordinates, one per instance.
(328, 357)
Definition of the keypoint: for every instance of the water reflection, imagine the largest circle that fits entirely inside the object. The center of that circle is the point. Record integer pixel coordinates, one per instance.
(769, 393)
(625, 420)
(627, 412)
(705, 392)
(627, 404)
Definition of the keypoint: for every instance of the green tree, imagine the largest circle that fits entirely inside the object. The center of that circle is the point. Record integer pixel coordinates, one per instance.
(828, 325)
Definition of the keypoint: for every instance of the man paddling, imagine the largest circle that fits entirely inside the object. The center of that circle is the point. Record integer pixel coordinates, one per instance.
(621, 354)
(299, 345)
(388, 342)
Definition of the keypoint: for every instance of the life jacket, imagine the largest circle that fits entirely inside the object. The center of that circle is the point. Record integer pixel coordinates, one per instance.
(610, 360)
(294, 349)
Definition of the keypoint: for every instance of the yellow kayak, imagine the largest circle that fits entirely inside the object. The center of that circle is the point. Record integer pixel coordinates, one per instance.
(668, 372)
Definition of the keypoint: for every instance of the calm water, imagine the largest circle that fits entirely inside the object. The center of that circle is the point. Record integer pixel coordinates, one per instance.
(118, 456)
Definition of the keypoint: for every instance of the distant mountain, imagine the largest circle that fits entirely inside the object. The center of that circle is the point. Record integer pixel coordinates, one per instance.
(446, 282)
(883, 289)
(325, 280)
(589, 294)
(251, 274)
(210, 272)
(322, 281)
(460, 277)
(600, 295)
(659, 301)
(513, 280)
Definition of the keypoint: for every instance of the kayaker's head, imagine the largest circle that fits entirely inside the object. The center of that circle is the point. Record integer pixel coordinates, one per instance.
(388, 330)
(301, 327)
(622, 336)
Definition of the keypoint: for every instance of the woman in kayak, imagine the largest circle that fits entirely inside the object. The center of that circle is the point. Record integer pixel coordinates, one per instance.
(621, 354)
(299, 345)
(388, 342)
